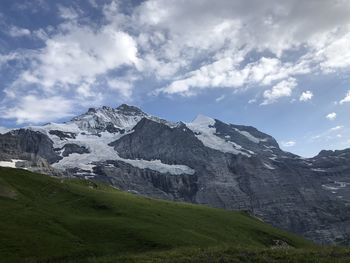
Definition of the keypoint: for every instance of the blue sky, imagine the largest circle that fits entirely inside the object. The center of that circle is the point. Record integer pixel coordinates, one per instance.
(281, 66)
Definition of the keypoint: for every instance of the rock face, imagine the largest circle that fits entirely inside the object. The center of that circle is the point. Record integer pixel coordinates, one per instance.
(24, 143)
(70, 148)
(181, 187)
(63, 135)
(206, 161)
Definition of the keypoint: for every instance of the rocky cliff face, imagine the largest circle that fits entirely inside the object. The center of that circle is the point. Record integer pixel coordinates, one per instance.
(24, 143)
(206, 161)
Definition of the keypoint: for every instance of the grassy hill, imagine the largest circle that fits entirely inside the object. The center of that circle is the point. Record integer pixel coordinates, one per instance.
(44, 219)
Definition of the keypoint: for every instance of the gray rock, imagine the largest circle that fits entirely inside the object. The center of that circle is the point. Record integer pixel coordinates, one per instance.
(147, 182)
(70, 148)
(25, 143)
(63, 135)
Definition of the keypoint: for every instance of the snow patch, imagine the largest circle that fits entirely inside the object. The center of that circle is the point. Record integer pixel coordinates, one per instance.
(11, 164)
(336, 185)
(98, 150)
(342, 184)
(204, 130)
(250, 136)
(269, 166)
(4, 130)
(318, 170)
(270, 147)
(157, 165)
(63, 127)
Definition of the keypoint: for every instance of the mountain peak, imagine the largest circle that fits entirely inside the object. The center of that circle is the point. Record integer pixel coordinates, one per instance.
(125, 108)
(203, 120)
(92, 110)
(102, 118)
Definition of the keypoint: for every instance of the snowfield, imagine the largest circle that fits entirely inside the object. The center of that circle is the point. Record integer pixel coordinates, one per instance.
(101, 151)
(11, 164)
(204, 129)
(251, 137)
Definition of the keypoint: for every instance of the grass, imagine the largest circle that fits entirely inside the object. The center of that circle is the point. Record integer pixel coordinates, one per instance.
(234, 255)
(45, 219)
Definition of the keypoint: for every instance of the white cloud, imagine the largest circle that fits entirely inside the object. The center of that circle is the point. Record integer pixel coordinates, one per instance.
(186, 47)
(15, 31)
(196, 27)
(272, 24)
(68, 13)
(123, 86)
(85, 90)
(331, 116)
(288, 143)
(346, 99)
(81, 54)
(281, 89)
(226, 73)
(8, 57)
(335, 53)
(93, 3)
(220, 98)
(218, 74)
(306, 95)
(32, 109)
(336, 128)
(328, 134)
(75, 61)
(173, 31)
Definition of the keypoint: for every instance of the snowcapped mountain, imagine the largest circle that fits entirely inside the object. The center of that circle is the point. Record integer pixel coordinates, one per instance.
(84, 141)
(206, 161)
(108, 119)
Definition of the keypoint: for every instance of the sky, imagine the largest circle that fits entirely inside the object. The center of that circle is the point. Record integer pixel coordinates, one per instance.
(280, 66)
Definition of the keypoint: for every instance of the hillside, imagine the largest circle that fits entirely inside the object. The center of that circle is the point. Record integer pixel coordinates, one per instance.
(69, 219)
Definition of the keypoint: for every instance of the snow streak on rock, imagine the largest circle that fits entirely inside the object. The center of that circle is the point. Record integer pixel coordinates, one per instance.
(204, 129)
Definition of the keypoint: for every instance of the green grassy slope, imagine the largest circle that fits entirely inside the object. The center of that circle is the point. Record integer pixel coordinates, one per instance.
(44, 219)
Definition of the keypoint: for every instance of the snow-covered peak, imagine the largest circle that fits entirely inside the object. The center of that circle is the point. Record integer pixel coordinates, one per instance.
(202, 120)
(104, 119)
(4, 130)
(100, 119)
(231, 138)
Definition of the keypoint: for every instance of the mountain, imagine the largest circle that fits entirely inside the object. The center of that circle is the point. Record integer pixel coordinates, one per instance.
(48, 219)
(206, 161)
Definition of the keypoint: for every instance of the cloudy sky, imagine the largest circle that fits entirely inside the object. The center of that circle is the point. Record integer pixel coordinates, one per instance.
(281, 66)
